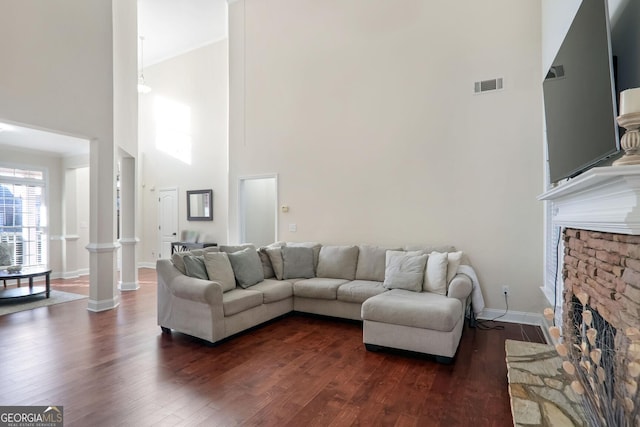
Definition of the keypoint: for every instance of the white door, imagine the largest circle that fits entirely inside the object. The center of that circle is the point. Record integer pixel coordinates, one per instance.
(167, 220)
(258, 197)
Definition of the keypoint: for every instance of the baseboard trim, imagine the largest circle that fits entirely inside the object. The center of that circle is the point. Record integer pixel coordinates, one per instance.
(104, 305)
(536, 319)
(151, 265)
(70, 274)
(128, 286)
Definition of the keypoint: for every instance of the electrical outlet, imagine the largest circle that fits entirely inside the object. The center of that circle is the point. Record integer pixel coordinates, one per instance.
(505, 290)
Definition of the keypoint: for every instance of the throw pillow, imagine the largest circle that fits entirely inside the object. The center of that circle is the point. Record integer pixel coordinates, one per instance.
(275, 255)
(297, 262)
(194, 267)
(236, 248)
(246, 267)
(338, 262)
(178, 261)
(267, 267)
(435, 278)
(453, 262)
(405, 272)
(393, 253)
(219, 270)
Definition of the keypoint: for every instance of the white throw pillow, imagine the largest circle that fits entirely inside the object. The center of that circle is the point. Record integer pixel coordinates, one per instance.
(393, 253)
(405, 272)
(435, 278)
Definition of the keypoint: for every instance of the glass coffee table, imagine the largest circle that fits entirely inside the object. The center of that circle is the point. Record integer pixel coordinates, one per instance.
(19, 290)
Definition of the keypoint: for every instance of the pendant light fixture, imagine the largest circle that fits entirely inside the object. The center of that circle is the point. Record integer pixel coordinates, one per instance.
(142, 87)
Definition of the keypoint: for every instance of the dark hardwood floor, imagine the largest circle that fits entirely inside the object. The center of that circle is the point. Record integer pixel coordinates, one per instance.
(116, 368)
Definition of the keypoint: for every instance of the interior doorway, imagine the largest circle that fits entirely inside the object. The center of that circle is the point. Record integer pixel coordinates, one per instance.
(258, 209)
(167, 220)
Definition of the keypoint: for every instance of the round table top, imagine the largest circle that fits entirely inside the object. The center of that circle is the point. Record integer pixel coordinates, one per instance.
(26, 272)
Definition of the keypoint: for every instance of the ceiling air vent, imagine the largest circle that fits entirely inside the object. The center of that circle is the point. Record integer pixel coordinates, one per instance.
(487, 85)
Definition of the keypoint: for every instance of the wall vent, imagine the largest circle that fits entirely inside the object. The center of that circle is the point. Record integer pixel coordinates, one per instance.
(488, 85)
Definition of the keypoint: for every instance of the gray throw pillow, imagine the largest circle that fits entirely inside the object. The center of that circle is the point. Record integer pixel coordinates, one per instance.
(246, 267)
(297, 262)
(275, 255)
(219, 270)
(194, 266)
(405, 272)
(235, 248)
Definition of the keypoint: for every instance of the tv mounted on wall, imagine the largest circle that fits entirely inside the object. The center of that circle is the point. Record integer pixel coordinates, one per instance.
(580, 96)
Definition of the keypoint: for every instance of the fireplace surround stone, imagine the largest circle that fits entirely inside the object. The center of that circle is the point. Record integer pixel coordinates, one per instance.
(599, 212)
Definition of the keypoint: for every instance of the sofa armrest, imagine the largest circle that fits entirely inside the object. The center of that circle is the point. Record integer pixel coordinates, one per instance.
(460, 287)
(189, 288)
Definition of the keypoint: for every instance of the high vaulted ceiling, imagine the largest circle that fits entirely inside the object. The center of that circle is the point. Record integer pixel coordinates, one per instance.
(170, 28)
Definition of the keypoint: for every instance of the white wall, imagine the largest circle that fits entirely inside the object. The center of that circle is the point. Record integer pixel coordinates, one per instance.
(366, 112)
(198, 82)
(57, 68)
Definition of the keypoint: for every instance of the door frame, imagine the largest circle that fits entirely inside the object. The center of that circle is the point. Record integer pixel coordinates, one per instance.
(241, 203)
(158, 213)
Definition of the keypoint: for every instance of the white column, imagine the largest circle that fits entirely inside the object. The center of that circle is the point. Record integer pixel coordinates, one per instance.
(70, 220)
(128, 240)
(102, 246)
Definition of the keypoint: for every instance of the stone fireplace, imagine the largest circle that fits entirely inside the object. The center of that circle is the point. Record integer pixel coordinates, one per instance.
(599, 212)
(606, 268)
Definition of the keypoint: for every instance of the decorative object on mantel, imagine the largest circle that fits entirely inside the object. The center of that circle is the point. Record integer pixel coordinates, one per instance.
(588, 362)
(629, 119)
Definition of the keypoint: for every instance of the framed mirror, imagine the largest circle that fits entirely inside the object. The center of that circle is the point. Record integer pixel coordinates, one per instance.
(200, 205)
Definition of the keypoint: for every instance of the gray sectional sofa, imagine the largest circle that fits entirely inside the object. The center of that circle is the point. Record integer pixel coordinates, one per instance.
(412, 299)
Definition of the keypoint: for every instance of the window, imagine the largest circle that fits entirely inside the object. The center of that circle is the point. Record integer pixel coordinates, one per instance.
(23, 215)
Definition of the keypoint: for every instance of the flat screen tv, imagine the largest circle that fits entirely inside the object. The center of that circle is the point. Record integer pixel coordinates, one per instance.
(580, 96)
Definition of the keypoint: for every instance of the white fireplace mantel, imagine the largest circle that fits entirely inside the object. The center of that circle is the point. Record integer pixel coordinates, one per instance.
(602, 199)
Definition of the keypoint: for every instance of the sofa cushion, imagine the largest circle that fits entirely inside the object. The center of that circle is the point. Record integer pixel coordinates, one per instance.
(194, 267)
(358, 291)
(338, 262)
(219, 269)
(424, 310)
(297, 262)
(371, 263)
(246, 267)
(238, 300)
(405, 272)
(435, 278)
(275, 255)
(274, 290)
(313, 245)
(321, 288)
(453, 262)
